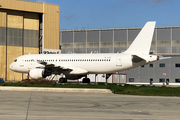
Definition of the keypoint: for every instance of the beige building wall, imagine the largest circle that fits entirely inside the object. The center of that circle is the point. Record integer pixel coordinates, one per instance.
(14, 20)
(31, 21)
(3, 61)
(3, 18)
(22, 5)
(51, 26)
(51, 18)
(2, 47)
(17, 15)
(12, 53)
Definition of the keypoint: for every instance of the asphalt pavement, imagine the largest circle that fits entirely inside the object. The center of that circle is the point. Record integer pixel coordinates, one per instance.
(18, 105)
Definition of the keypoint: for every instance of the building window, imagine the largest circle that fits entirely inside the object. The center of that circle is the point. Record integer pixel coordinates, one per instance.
(151, 81)
(150, 65)
(162, 80)
(131, 79)
(162, 65)
(177, 80)
(177, 65)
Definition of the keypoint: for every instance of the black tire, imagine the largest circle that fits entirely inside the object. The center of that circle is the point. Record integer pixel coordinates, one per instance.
(62, 80)
(86, 80)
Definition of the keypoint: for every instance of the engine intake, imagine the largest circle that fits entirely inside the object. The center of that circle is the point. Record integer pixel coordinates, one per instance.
(38, 73)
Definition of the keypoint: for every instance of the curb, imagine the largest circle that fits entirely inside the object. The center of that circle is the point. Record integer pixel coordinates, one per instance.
(62, 90)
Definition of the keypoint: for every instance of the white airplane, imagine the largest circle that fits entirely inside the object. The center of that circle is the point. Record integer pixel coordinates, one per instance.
(76, 66)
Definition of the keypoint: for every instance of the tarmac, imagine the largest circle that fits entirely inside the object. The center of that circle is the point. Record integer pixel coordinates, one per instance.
(30, 105)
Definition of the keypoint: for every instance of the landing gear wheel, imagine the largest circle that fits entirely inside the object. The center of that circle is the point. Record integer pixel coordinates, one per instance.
(86, 80)
(62, 80)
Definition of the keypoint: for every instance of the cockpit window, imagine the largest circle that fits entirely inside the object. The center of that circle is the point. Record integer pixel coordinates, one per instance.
(15, 60)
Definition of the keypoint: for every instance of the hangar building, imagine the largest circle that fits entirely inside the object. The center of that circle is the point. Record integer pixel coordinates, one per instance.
(25, 27)
(166, 41)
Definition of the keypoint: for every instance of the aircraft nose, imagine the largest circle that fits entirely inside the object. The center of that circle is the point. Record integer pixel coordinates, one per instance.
(11, 66)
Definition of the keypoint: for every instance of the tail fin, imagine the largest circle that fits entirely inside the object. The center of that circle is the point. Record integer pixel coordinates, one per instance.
(142, 43)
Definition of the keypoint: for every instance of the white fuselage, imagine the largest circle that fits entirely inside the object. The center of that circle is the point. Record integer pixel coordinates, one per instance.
(93, 63)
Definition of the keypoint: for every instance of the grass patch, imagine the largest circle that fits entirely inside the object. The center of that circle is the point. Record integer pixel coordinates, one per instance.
(117, 89)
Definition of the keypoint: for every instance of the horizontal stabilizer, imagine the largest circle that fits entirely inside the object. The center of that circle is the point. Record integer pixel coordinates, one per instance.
(136, 59)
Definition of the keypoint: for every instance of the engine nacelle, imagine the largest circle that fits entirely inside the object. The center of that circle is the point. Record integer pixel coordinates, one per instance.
(38, 73)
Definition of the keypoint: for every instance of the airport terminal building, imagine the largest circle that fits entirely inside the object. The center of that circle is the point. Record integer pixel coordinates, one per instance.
(166, 41)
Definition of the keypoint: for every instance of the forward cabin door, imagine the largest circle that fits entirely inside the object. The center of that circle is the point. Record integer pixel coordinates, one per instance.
(118, 60)
(21, 63)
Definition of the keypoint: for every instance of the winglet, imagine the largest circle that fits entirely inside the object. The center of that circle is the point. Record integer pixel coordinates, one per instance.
(142, 43)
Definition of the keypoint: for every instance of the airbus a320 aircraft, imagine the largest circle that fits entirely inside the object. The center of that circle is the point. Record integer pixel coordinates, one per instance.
(76, 66)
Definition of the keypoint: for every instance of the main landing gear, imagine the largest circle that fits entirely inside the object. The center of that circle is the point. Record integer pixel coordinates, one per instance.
(86, 80)
(62, 80)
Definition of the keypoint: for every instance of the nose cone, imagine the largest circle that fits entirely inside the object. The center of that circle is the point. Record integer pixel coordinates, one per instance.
(12, 67)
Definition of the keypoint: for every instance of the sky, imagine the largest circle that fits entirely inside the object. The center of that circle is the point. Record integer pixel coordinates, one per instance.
(106, 14)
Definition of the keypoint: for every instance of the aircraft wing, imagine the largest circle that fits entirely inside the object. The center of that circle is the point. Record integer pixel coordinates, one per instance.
(61, 69)
(53, 68)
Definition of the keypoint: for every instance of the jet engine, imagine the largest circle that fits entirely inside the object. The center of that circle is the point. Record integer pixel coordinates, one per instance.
(38, 73)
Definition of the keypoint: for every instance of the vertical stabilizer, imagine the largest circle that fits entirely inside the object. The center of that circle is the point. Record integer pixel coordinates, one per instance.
(142, 43)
